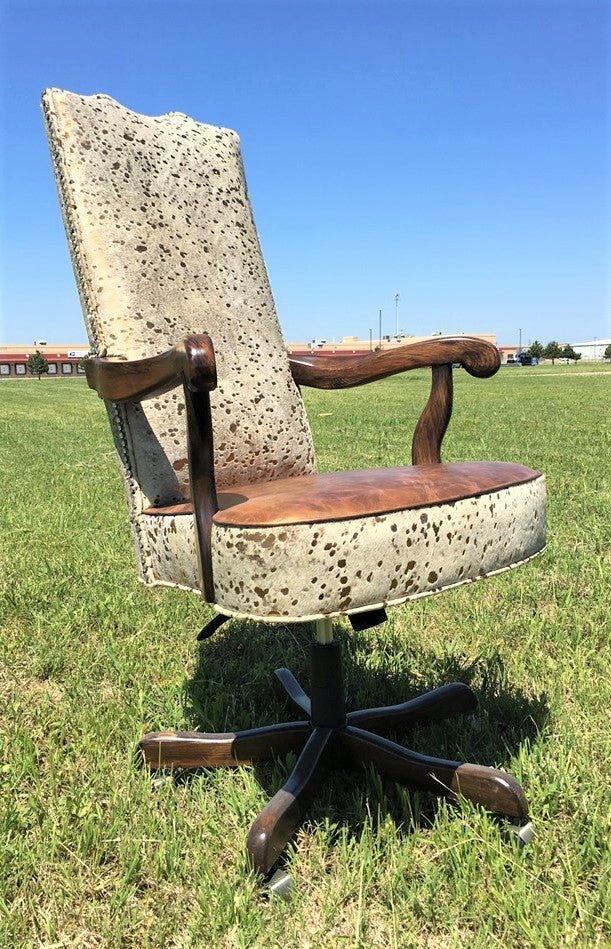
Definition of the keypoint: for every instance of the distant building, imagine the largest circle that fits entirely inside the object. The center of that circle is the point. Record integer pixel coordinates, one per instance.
(509, 352)
(592, 351)
(353, 346)
(63, 359)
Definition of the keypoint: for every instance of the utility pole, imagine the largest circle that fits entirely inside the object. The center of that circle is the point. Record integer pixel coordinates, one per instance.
(520, 342)
(397, 298)
(370, 340)
(380, 322)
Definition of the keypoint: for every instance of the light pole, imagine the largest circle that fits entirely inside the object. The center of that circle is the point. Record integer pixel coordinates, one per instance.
(397, 298)
(380, 325)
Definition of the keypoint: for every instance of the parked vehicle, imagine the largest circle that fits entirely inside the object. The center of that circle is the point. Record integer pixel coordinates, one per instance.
(522, 359)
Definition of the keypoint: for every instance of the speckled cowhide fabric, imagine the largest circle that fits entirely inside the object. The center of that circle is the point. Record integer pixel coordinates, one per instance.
(163, 245)
(304, 571)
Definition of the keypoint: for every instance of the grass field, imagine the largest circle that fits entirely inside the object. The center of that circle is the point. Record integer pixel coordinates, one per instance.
(92, 855)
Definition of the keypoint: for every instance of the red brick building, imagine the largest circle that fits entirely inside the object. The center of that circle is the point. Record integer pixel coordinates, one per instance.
(63, 359)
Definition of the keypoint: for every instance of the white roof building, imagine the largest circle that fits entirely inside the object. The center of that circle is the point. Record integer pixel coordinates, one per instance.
(593, 350)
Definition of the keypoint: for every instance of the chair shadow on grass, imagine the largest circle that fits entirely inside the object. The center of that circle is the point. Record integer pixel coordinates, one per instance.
(232, 689)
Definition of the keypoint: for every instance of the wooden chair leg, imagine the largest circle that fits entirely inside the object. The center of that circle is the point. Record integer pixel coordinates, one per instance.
(277, 822)
(211, 627)
(174, 749)
(445, 702)
(494, 790)
(289, 689)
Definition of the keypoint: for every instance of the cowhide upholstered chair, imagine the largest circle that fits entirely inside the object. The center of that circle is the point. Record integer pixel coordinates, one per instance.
(220, 473)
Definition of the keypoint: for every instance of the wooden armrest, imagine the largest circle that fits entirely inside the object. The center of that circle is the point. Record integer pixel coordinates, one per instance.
(477, 356)
(191, 362)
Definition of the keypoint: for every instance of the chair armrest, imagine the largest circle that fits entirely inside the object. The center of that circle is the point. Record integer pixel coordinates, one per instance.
(191, 362)
(477, 356)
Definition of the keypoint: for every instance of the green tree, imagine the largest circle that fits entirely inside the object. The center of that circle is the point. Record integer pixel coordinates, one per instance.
(552, 351)
(535, 349)
(37, 364)
(608, 352)
(569, 353)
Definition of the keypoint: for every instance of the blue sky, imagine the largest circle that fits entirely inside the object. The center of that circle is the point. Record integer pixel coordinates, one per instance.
(454, 152)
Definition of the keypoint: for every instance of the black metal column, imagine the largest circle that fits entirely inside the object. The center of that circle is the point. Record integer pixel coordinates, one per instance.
(327, 685)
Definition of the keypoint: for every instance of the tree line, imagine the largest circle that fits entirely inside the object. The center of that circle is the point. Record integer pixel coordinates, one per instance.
(555, 351)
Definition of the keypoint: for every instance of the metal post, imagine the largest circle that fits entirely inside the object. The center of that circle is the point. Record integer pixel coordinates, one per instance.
(380, 322)
(323, 632)
(326, 679)
(397, 313)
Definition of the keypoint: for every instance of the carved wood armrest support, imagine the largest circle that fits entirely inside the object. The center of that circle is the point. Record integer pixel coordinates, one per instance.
(434, 419)
(191, 362)
(477, 356)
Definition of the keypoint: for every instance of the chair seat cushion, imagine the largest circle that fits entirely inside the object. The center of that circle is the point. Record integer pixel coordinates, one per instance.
(321, 545)
(315, 498)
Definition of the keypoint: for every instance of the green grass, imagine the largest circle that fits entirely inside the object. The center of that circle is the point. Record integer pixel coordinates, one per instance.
(92, 855)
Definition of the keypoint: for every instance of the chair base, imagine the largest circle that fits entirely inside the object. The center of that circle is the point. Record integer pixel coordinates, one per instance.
(326, 737)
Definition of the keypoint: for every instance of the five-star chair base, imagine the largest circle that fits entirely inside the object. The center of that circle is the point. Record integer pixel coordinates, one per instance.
(329, 737)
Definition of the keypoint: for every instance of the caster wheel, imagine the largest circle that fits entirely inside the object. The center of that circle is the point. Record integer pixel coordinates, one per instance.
(161, 782)
(525, 832)
(279, 885)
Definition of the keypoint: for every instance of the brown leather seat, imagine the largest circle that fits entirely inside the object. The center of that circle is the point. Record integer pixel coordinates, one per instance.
(343, 495)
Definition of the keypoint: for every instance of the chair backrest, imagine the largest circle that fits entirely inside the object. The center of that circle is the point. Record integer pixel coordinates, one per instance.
(163, 245)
